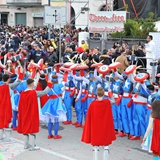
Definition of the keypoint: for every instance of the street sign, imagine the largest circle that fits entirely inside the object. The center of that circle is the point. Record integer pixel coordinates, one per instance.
(55, 15)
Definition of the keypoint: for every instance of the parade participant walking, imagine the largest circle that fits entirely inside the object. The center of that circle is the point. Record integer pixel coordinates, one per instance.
(151, 98)
(68, 98)
(54, 110)
(42, 84)
(155, 146)
(140, 106)
(99, 116)
(126, 102)
(6, 106)
(116, 88)
(28, 120)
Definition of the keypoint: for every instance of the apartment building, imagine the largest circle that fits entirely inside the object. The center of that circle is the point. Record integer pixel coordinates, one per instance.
(31, 12)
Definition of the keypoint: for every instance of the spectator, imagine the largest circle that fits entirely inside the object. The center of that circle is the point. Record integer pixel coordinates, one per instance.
(17, 42)
(9, 66)
(115, 45)
(96, 55)
(84, 45)
(123, 60)
(9, 55)
(38, 54)
(140, 53)
(150, 53)
(105, 58)
(116, 54)
(67, 55)
(52, 57)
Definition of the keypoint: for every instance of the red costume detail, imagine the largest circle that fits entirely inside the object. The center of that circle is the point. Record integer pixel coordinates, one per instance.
(5, 106)
(28, 113)
(99, 127)
(155, 146)
(44, 98)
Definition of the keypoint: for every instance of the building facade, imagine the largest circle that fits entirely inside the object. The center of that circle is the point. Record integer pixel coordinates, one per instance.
(26, 12)
(31, 12)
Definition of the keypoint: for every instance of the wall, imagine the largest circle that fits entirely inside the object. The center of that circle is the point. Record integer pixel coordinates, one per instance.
(28, 11)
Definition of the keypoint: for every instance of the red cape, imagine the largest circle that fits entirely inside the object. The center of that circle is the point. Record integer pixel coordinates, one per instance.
(155, 146)
(99, 128)
(28, 119)
(44, 98)
(5, 106)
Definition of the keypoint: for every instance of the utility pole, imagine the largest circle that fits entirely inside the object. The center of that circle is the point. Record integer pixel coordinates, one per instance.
(49, 26)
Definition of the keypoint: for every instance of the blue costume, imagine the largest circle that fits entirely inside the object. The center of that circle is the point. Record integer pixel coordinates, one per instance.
(54, 110)
(140, 109)
(15, 96)
(127, 111)
(92, 88)
(21, 87)
(78, 105)
(84, 97)
(151, 98)
(116, 88)
(68, 99)
(1, 82)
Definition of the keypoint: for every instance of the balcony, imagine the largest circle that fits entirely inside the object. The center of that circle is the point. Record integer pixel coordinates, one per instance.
(24, 2)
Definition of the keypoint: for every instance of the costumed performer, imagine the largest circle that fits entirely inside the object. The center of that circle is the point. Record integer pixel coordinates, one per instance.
(42, 84)
(140, 106)
(68, 98)
(28, 119)
(6, 106)
(15, 95)
(127, 102)
(117, 90)
(146, 142)
(99, 127)
(54, 110)
(150, 100)
(155, 145)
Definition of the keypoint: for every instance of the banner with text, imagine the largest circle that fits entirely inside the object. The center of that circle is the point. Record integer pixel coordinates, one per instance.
(107, 21)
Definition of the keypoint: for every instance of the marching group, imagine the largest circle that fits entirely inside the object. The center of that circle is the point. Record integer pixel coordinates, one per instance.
(34, 87)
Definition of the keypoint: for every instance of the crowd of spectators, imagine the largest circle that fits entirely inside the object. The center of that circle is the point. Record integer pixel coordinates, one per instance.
(32, 44)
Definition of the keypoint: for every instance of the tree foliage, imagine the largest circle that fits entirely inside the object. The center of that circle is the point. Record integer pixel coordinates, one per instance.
(137, 28)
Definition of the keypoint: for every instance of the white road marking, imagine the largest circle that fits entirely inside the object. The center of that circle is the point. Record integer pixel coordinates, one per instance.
(19, 144)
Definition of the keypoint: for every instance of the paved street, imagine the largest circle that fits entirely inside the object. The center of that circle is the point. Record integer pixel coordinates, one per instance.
(70, 147)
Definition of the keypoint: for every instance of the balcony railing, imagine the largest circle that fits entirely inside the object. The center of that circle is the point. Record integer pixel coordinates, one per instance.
(23, 1)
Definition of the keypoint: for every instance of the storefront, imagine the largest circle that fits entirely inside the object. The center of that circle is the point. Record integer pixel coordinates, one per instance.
(38, 19)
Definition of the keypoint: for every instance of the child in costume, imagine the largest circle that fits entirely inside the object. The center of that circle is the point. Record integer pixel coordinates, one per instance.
(116, 88)
(28, 119)
(54, 110)
(151, 98)
(140, 106)
(155, 144)
(92, 88)
(126, 102)
(81, 83)
(15, 101)
(6, 106)
(78, 91)
(68, 98)
(42, 84)
(84, 96)
(146, 142)
(99, 115)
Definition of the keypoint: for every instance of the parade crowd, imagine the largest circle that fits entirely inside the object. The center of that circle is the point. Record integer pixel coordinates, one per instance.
(36, 85)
